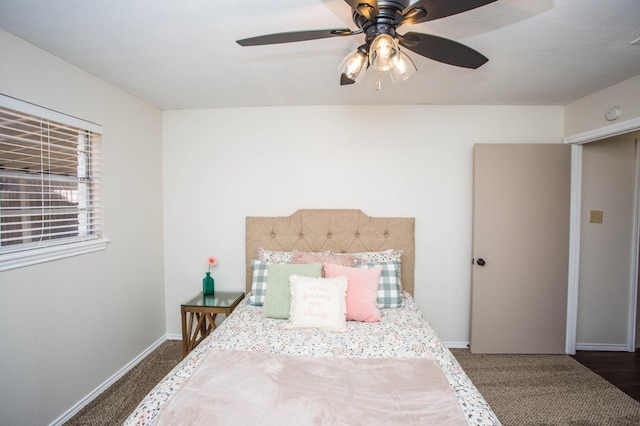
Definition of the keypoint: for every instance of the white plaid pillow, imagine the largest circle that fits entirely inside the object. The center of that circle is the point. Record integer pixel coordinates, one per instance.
(389, 289)
(258, 282)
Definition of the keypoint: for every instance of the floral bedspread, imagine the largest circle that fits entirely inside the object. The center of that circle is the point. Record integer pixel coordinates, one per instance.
(402, 333)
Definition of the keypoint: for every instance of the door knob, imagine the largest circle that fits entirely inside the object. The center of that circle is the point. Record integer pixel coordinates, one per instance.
(481, 262)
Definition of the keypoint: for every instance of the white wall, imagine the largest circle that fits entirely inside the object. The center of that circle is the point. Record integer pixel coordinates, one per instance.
(608, 184)
(589, 112)
(69, 325)
(224, 164)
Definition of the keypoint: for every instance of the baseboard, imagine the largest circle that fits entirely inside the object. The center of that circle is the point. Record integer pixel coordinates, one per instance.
(457, 345)
(111, 380)
(174, 336)
(602, 347)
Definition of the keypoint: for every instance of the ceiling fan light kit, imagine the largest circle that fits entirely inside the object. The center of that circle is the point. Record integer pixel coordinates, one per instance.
(379, 20)
(403, 70)
(384, 53)
(355, 64)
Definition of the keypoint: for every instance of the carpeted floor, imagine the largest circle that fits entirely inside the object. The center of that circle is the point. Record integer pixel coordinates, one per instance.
(547, 390)
(521, 389)
(114, 405)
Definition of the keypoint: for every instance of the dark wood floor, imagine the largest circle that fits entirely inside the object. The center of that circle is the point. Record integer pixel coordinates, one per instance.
(619, 368)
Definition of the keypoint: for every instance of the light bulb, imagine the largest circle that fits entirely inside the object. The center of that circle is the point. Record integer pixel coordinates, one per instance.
(355, 64)
(403, 70)
(384, 53)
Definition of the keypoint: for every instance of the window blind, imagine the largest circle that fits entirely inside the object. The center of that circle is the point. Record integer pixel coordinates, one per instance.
(50, 182)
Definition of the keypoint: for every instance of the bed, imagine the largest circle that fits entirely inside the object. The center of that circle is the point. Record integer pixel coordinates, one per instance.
(288, 354)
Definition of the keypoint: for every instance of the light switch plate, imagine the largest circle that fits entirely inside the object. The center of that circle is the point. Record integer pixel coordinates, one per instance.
(595, 216)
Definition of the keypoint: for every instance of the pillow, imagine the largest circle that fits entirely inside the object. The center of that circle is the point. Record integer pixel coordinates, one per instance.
(389, 255)
(279, 256)
(277, 301)
(270, 256)
(389, 289)
(362, 291)
(258, 282)
(318, 303)
(309, 257)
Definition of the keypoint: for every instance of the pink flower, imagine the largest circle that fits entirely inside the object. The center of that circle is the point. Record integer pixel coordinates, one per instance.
(212, 262)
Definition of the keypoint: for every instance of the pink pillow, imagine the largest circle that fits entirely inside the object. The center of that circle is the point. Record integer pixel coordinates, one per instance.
(312, 257)
(362, 291)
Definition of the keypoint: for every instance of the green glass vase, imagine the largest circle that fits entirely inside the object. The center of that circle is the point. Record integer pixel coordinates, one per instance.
(207, 284)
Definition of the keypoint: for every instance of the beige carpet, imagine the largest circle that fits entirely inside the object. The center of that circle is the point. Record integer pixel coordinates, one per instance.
(547, 390)
(521, 389)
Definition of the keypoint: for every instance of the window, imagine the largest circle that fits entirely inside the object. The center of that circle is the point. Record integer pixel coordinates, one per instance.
(50, 202)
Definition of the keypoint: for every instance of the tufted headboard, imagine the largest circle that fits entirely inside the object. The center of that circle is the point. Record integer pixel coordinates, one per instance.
(344, 231)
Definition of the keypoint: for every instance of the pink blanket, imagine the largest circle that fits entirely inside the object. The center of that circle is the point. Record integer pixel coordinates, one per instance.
(252, 388)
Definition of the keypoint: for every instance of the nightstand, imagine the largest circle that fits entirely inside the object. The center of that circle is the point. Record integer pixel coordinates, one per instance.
(199, 314)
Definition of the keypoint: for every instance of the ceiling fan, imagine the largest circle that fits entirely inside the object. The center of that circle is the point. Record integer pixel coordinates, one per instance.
(378, 21)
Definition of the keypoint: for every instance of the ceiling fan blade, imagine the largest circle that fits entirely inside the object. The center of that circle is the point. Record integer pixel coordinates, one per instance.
(344, 80)
(442, 50)
(428, 10)
(367, 8)
(293, 36)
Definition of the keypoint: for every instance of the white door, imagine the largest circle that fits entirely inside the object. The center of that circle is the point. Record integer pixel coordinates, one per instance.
(521, 199)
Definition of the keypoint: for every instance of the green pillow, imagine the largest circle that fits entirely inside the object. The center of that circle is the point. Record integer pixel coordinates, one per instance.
(277, 300)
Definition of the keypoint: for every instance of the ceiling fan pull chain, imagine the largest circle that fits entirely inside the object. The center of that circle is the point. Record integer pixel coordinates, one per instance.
(378, 83)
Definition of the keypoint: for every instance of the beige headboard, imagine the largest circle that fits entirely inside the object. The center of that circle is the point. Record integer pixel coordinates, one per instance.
(344, 231)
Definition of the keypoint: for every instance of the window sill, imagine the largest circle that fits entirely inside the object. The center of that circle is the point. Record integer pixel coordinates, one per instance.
(47, 254)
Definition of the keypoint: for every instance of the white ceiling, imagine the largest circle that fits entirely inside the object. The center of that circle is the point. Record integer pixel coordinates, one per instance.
(179, 54)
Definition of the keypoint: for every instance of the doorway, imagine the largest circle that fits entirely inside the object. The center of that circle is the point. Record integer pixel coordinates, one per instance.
(577, 142)
(605, 314)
